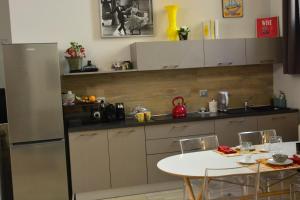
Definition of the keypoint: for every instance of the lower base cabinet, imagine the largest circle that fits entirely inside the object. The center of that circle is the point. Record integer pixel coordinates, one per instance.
(127, 157)
(286, 125)
(154, 174)
(89, 161)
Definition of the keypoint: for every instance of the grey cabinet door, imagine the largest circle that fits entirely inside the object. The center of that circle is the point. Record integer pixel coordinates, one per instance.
(155, 175)
(227, 129)
(264, 51)
(224, 52)
(127, 157)
(286, 125)
(167, 55)
(89, 161)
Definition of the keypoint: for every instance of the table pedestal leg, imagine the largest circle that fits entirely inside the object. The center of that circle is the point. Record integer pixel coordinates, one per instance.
(189, 188)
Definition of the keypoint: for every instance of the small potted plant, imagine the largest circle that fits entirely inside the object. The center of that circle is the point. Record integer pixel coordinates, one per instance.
(74, 55)
(183, 32)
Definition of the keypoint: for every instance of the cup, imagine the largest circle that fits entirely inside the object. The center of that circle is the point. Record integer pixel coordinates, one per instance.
(147, 116)
(298, 148)
(140, 117)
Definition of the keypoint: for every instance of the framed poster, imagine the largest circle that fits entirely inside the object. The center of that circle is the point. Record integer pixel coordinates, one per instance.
(267, 27)
(232, 8)
(126, 18)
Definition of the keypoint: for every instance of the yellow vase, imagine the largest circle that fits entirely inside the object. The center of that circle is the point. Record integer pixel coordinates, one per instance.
(172, 16)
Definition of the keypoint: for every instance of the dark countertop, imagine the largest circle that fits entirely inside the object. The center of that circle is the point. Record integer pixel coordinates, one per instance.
(77, 124)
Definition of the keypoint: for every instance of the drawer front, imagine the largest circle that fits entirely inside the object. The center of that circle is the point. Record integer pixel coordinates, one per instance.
(167, 145)
(227, 129)
(179, 129)
(155, 175)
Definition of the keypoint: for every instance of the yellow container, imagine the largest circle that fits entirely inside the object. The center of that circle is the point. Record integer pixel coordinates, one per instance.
(172, 16)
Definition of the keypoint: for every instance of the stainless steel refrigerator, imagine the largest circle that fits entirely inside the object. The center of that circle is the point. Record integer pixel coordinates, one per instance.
(35, 122)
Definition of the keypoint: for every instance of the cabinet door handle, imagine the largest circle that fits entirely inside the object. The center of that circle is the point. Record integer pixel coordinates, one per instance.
(225, 64)
(88, 134)
(277, 118)
(267, 61)
(178, 127)
(237, 121)
(124, 132)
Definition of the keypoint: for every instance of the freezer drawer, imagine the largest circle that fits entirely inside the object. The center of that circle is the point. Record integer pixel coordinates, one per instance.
(39, 171)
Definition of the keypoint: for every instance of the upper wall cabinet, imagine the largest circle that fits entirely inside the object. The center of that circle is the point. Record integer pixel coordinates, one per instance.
(167, 55)
(264, 51)
(225, 52)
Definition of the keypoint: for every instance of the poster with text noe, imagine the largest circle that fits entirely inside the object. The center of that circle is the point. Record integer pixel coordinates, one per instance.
(126, 18)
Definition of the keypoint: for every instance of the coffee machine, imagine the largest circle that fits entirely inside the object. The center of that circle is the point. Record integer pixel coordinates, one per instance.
(223, 99)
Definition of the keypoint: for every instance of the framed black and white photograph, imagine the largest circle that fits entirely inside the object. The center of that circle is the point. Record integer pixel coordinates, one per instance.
(126, 18)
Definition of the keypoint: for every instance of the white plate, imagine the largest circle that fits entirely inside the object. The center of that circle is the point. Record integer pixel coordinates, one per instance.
(251, 149)
(273, 162)
(247, 162)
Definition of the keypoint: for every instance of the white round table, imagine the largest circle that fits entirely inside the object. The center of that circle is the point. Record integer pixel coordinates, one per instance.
(193, 165)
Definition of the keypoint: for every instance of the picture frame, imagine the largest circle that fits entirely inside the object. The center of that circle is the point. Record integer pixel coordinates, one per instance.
(126, 18)
(233, 8)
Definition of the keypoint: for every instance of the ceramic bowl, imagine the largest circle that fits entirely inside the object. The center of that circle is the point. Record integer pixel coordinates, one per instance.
(280, 158)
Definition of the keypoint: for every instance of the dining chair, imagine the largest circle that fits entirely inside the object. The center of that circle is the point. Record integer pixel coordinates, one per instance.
(203, 143)
(257, 137)
(294, 191)
(232, 183)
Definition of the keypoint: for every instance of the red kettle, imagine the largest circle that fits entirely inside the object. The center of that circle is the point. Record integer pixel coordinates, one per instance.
(179, 110)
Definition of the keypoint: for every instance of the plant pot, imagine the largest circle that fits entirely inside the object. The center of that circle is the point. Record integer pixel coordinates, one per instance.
(75, 64)
(183, 36)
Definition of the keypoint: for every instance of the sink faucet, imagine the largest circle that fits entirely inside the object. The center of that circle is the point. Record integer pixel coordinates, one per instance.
(246, 103)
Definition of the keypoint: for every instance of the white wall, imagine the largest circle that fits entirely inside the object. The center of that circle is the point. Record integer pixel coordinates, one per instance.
(63, 21)
(290, 84)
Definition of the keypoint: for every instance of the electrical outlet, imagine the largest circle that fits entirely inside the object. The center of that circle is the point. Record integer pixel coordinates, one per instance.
(203, 93)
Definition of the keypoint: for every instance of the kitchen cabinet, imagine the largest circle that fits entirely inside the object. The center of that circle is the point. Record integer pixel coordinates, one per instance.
(225, 52)
(264, 51)
(227, 129)
(127, 157)
(154, 174)
(89, 161)
(179, 129)
(167, 55)
(286, 125)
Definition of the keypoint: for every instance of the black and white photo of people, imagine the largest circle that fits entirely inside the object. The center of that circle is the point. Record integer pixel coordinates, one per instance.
(125, 18)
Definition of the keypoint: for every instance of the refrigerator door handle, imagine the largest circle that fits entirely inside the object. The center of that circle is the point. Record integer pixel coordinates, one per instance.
(20, 144)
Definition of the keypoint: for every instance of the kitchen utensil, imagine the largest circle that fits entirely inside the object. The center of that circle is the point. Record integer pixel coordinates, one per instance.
(223, 100)
(213, 106)
(179, 110)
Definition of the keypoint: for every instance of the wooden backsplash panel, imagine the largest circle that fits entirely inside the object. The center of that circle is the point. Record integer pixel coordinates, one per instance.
(156, 89)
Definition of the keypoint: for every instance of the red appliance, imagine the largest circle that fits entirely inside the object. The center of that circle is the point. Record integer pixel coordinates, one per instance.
(179, 110)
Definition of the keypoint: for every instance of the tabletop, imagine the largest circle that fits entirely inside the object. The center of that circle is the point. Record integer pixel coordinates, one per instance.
(194, 164)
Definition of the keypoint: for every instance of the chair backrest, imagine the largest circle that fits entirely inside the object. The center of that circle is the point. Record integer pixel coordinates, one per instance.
(204, 143)
(267, 135)
(255, 137)
(231, 183)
